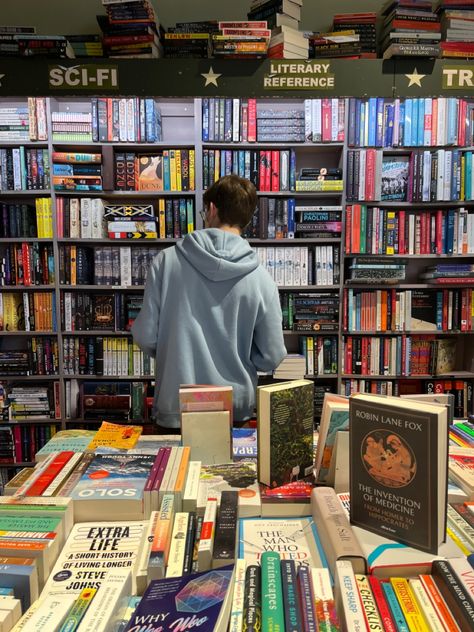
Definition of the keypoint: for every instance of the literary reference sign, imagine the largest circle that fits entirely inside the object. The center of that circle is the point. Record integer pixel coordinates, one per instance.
(306, 75)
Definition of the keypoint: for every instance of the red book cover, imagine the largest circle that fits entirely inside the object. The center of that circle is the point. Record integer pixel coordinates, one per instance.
(326, 120)
(348, 234)
(414, 25)
(370, 175)
(17, 442)
(25, 252)
(261, 170)
(57, 400)
(382, 605)
(60, 217)
(454, 280)
(464, 310)
(423, 231)
(43, 481)
(355, 240)
(32, 445)
(401, 233)
(364, 356)
(110, 133)
(268, 170)
(348, 356)
(252, 121)
(345, 308)
(275, 178)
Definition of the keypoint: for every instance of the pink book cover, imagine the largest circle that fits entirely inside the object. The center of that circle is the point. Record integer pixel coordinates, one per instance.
(205, 397)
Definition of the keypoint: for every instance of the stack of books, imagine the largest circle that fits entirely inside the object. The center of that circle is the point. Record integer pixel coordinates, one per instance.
(276, 12)
(246, 40)
(77, 172)
(29, 402)
(288, 43)
(24, 122)
(319, 179)
(71, 126)
(335, 44)
(130, 29)
(126, 223)
(379, 271)
(410, 29)
(364, 26)
(189, 39)
(449, 274)
(86, 45)
(22, 41)
(457, 28)
(292, 367)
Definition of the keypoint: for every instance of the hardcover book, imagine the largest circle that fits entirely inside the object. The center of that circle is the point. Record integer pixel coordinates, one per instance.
(150, 173)
(398, 469)
(285, 413)
(200, 601)
(395, 178)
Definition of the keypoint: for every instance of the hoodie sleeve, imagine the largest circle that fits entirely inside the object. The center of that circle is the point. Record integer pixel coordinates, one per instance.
(145, 327)
(268, 347)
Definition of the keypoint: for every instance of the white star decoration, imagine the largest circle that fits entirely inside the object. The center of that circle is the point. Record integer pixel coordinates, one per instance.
(1, 77)
(414, 79)
(211, 77)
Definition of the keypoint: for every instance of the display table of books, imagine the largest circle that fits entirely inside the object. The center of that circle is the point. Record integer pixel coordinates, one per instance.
(116, 531)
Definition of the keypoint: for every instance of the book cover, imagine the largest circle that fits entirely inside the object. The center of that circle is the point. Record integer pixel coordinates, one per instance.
(244, 443)
(115, 436)
(240, 477)
(200, 601)
(395, 178)
(293, 538)
(423, 311)
(398, 469)
(285, 413)
(112, 487)
(205, 398)
(66, 440)
(150, 173)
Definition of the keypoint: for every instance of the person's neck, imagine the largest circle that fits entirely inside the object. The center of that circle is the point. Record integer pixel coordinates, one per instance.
(235, 230)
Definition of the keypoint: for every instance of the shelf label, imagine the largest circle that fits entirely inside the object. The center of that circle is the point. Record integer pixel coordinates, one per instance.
(84, 77)
(307, 75)
(456, 77)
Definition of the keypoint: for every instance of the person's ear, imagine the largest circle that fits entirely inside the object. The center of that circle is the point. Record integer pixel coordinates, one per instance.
(213, 213)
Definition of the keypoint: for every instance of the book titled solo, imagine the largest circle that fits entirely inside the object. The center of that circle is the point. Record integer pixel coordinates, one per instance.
(398, 469)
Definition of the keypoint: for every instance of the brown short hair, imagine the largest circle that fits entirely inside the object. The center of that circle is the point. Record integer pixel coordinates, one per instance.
(235, 199)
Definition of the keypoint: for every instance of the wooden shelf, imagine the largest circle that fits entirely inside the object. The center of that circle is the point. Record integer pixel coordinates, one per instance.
(79, 288)
(117, 242)
(41, 144)
(28, 240)
(411, 332)
(125, 194)
(27, 333)
(296, 240)
(26, 288)
(467, 375)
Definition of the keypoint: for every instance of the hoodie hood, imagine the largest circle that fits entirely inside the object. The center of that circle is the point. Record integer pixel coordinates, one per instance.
(218, 254)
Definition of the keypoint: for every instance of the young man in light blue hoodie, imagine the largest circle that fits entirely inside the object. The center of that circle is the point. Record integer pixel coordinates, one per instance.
(211, 314)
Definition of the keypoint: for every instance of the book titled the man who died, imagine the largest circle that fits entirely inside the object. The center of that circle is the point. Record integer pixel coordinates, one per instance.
(398, 469)
(200, 601)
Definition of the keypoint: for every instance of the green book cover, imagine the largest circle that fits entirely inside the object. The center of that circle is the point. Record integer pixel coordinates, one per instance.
(273, 616)
(29, 523)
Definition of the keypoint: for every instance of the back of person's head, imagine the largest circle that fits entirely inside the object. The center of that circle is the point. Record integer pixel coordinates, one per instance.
(235, 199)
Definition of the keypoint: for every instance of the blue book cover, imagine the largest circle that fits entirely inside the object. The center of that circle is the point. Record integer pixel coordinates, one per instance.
(468, 175)
(373, 121)
(420, 132)
(292, 169)
(290, 596)
(115, 477)
(414, 122)
(395, 609)
(450, 232)
(455, 170)
(451, 136)
(291, 218)
(241, 167)
(389, 127)
(200, 601)
(379, 130)
(205, 120)
(408, 122)
(401, 124)
(362, 124)
(23, 580)
(351, 136)
(166, 172)
(150, 122)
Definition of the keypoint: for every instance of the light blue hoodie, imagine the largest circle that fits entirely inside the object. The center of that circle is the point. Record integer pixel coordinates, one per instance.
(211, 315)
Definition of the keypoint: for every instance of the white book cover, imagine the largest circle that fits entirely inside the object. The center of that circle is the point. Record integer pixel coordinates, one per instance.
(348, 605)
(102, 546)
(12, 605)
(318, 266)
(334, 119)
(98, 225)
(424, 604)
(297, 265)
(448, 161)
(126, 266)
(74, 218)
(49, 615)
(440, 175)
(123, 120)
(175, 470)
(178, 545)
(192, 486)
(237, 611)
(206, 542)
(308, 129)
(284, 170)
(442, 127)
(166, 476)
(426, 175)
(289, 264)
(362, 155)
(131, 120)
(270, 261)
(280, 265)
(396, 123)
(86, 218)
(304, 265)
(142, 564)
(316, 120)
(235, 120)
(109, 602)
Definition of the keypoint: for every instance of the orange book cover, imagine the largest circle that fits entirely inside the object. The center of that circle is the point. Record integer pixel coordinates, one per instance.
(183, 469)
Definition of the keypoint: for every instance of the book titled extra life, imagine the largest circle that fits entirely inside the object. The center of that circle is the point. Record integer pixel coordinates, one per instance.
(201, 601)
(398, 469)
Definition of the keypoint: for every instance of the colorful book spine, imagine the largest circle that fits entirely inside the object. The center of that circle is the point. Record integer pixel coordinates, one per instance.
(308, 614)
(206, 542)
(160, 546)
(273, 617)
(369, 605)
(237, 611)
(409, 605)
(252, 619)
(178, 545)
(293, 622)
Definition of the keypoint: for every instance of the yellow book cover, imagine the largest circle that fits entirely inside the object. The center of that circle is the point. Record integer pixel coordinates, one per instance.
(11, 310)
(48, 208)
(179, 180)
(173, 170)
(413, 615)
(115, 436)
(73, 265)
(192, 171)
(39, 218)
(374, 622)
(217, 165)
(310, 368)
(161, 218)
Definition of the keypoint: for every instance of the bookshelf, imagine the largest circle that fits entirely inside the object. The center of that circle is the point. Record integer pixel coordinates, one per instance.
(182, 124)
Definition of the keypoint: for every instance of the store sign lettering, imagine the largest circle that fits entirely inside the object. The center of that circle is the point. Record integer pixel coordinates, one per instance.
(84, 76)
(457, 77)
(308, 75)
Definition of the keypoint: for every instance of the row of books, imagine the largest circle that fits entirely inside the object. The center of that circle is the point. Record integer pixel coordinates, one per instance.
(310, 311)
(378, 231)
(301, 265)
(24, 169)
(24, 122)
(105, 265)
(233, 120)
(456, 29)
(27, 311)
(422, 176)
(18, 403)
(398, 355)
(384, 122)
(408, 310)
(320, 354)
(133, 120)
(460, 389)
(20, 443)
(123, 23)
(81, 311)
(363, 25)
(120, 401)
(27, 264)
(18, 220)
(418, 18)
(98, 355)
(167, 170)
(39, 358)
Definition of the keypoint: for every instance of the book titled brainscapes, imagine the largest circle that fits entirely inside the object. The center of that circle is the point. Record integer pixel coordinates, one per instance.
(285, 415)
(200, 601)
(398, 469)
(112, 488)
